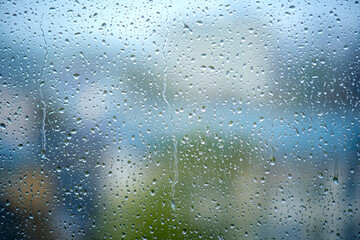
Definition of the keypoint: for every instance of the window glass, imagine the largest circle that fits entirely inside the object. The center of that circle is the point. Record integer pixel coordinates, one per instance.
(179, 119)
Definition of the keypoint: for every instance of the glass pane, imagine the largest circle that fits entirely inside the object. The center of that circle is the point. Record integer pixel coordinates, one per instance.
(179, 119)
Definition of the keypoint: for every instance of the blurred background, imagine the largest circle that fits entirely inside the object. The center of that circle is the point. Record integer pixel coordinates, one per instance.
(179, 119)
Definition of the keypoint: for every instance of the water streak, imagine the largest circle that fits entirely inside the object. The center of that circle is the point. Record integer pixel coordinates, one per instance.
(42, 100)
(175, 153)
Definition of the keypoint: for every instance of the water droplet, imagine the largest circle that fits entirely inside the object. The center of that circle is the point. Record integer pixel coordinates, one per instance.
(173, 206)
(272, 161)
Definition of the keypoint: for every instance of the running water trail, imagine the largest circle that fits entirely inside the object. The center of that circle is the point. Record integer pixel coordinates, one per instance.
(43, 122)
(175, 153)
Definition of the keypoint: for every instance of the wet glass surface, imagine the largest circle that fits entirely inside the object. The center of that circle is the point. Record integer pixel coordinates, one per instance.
(179, 120)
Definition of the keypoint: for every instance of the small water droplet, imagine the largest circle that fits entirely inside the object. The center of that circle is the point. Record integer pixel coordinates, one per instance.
(336, 180)
(302, 207)
(272, 161)
(173, 206)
